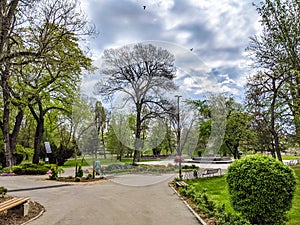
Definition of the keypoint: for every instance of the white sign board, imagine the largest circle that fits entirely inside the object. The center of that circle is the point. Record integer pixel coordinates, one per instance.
(48, 148)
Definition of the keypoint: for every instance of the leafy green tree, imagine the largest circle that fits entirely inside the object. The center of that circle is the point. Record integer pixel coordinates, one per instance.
(156, 136)
(27, 130)
(237, 131)
(26, 41)
(119, 137)
(11, 48)
(53, 89)
(238, 127)
(170, 139)
(275, 54)
(143, 74)
(261, 188)
(100, 121)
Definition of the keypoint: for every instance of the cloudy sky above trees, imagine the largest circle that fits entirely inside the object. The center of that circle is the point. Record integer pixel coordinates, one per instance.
(217, 31)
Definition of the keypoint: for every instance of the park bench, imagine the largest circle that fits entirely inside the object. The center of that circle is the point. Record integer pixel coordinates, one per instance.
(201, 173)
(211, 172)
(17, 205)
(181, 184)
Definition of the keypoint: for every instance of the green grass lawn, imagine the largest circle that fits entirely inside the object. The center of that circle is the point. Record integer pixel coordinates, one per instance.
(294, 213)
(290, 157)
(217, 190)
(89, 161)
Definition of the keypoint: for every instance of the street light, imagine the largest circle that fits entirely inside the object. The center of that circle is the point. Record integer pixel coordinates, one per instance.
(178, 134)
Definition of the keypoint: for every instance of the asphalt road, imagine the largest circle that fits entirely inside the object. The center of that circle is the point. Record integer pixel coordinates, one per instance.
(126, 200)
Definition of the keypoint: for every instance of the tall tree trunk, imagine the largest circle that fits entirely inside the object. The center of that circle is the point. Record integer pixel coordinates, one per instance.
(273, 117)
(9, 158)
(272, 150)
(38, 137)
(39, 131)
(277, 148)
(16, 130)
(103, 142)
(6, 25)
(137, 142)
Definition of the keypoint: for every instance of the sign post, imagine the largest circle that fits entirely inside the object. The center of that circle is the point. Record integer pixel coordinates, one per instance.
(48, 151)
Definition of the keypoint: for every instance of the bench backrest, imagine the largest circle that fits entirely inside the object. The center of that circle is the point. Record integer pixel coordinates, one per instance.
(8, 204)
(211, 171)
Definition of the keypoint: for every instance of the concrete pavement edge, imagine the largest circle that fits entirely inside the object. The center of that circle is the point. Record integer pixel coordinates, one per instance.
(188, 206)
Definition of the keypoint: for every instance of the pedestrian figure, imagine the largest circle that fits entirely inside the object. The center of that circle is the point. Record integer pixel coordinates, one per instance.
(97, 167)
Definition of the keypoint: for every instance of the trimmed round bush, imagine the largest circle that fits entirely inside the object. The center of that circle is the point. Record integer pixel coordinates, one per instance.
(261, 188)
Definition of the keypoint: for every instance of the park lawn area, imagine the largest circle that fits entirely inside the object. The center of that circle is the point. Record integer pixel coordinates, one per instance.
(293, 214)
(290, 157)
(89, 161)
(72, 163)
(217, 190)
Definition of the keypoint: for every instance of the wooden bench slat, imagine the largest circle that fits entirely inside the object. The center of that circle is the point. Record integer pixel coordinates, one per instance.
(8, 202)
(211, 171)
(181, 184)
(11, 203)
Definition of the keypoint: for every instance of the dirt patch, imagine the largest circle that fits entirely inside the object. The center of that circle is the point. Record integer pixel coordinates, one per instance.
(71, 180)
(9, 218)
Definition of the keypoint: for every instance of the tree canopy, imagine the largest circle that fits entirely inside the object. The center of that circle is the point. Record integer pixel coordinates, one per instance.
(143, 74)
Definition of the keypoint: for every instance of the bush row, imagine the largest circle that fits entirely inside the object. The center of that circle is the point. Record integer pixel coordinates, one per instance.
(27, 169)
(211, 208)
(120, 168)
(188, 167)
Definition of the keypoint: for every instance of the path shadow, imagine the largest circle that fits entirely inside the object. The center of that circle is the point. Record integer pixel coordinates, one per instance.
(38, 188)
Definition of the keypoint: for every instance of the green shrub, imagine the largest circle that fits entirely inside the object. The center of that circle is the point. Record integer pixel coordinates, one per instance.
(30, 169)
(77, 179)
(25, 152)
(79, 172)
(261, 188)
(60, 170)
(60, 154)
(6, 170)
(3, 191)
(212, 209)
(89, 176)
(53, 175)
(187, 167)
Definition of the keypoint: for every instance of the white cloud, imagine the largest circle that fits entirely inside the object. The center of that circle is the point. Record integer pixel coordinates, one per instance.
(218, 32)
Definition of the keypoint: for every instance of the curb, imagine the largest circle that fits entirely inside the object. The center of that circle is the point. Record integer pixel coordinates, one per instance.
(202, 222)
(34, 218)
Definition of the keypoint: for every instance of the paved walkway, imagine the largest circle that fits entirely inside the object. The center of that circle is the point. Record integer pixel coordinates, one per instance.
(126, 200)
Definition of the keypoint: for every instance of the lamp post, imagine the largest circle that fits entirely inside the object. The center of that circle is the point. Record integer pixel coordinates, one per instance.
(178, 134)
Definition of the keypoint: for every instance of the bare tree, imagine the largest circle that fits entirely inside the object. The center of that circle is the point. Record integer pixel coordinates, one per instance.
(265, 101)
(143, 74)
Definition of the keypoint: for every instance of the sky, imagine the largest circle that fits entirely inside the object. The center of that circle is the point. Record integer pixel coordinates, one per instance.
(217, 31)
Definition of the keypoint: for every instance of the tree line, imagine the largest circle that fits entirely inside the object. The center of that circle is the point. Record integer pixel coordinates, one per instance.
(42, 64)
